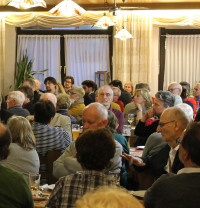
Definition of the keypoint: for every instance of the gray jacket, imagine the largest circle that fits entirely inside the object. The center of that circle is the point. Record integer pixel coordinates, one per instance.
(66, 165)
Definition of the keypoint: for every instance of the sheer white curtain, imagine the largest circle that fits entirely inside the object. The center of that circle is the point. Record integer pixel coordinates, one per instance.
(44, 51)
(182, 59)
(85, 55)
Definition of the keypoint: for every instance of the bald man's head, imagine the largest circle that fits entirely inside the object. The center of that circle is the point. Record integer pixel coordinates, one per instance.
(175, 88)
(49, 96)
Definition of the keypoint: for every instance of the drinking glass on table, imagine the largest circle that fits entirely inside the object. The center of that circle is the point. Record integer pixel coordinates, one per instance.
(131, 118)
(75, 131)
(34, 181)
(114, 176)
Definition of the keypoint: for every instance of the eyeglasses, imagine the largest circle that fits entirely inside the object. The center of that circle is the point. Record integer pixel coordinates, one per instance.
(68, 82)
(172, 89)
(178, 141)
(163, 124)
(105, 94)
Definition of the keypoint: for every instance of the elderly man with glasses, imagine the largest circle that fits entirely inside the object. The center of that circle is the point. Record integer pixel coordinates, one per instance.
(176, 89)
(181, 190)
(172, 123)
(105, 97)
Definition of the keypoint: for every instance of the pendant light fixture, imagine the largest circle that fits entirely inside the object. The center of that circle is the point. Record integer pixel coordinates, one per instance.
(104, 22)
(123, 34)
(27, 4)
(67, 8)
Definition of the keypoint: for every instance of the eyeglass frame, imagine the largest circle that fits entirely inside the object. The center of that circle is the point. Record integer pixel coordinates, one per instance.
(163, 124)
(105, 94)
(172, 89)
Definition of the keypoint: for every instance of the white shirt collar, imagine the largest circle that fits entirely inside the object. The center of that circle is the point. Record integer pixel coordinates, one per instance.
(172, 155)
(189, 170)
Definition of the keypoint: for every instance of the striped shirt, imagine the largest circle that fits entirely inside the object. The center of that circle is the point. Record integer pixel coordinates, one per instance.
(70, 188)
(50, 138)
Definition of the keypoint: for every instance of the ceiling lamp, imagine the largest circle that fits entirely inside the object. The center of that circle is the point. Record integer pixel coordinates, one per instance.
(27, 4)
(104, 22)
(67, 8)
(123, 34)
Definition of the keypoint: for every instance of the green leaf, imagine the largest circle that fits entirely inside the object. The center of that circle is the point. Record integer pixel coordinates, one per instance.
(24, 70)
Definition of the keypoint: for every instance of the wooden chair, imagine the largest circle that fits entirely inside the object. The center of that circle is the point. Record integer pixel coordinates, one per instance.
(46, 166)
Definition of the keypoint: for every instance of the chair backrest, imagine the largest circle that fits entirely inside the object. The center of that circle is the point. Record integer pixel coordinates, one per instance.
(46, 166)
(52, 156)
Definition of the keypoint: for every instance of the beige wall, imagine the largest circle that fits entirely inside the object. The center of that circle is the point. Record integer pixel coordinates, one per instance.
(10, 48)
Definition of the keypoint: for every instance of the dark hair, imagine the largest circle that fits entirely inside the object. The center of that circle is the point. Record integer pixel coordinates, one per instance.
(184, 94)
(70, 77)
(191, 142)
(112, 122)
(142, 85)
(5, 140)
(44, 110)
(166, 97)
(90, 83)
(95, 148)
(116, 83)
(28, 91)
(50, 79)
(186, 85)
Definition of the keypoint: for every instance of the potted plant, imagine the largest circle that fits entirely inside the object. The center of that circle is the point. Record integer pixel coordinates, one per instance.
(24, 70)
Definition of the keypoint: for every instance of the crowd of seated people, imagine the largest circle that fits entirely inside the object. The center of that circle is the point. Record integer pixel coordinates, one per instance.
(38, 121)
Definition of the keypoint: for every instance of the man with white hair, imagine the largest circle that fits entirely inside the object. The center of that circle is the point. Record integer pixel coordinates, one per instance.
(181, 189)
(155, 142)
(14, 101)
(172, 123)
(176, 89)
(95, 116)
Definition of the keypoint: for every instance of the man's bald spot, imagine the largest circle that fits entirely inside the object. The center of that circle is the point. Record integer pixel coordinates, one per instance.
(97, 110)
(176, 114)
(49, 96)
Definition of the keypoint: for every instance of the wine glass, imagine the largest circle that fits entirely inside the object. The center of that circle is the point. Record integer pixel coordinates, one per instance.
(131, 118)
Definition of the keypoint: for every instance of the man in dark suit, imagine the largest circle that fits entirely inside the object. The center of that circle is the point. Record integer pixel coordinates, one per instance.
(4, 114)
(90, 87)
(181, 190)
(172, 123)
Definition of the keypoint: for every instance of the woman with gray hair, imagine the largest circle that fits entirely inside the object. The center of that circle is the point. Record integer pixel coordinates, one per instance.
(23, 156)
(150, 120)
(77, 102)
(62, 106)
